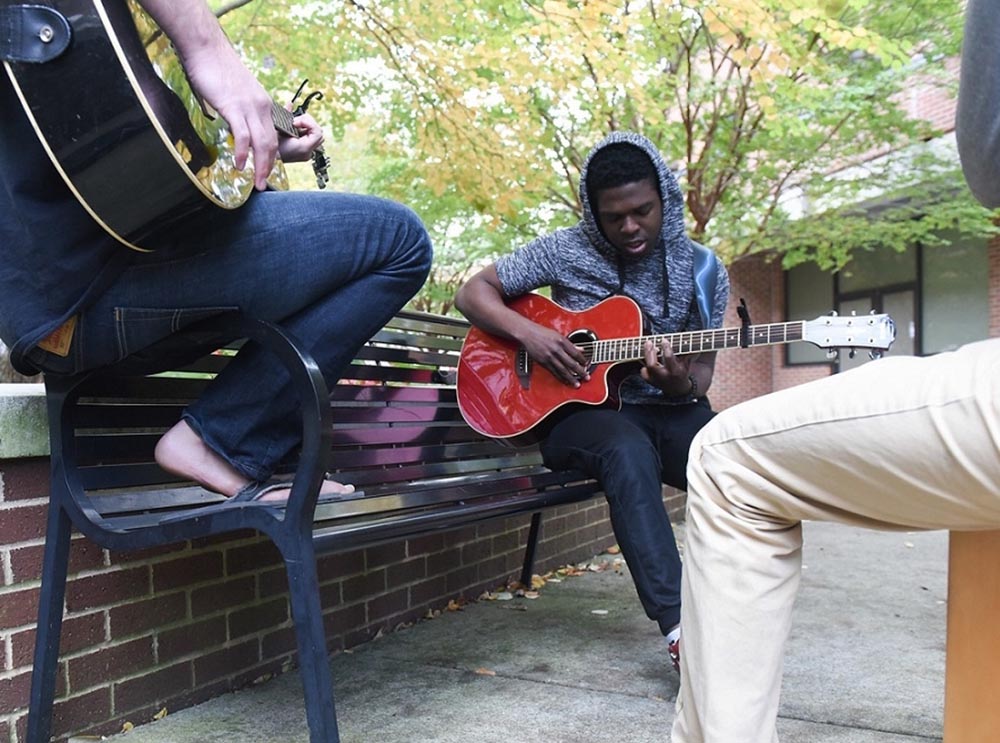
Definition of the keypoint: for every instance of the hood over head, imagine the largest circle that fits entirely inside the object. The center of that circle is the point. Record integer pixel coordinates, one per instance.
(673, 231)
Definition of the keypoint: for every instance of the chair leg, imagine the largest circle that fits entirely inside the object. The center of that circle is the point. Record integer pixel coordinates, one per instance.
(529, 550)
(314, 663)
(972, 661)
(50, 616)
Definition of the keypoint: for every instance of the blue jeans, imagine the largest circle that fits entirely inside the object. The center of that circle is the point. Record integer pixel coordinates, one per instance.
(330, 268)
(632, 453)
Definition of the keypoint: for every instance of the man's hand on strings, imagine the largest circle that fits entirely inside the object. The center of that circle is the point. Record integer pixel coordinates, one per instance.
(219, 77)
(299, 149)
(557, 354)
(666, 370)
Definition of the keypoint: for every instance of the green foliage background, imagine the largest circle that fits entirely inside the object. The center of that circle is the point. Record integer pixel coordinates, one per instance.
(479, 114)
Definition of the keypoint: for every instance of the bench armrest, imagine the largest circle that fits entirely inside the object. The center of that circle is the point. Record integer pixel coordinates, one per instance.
(197, 340)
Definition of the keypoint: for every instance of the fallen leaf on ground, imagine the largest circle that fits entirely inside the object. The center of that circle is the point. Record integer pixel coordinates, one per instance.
(486, 672)
(161, 714)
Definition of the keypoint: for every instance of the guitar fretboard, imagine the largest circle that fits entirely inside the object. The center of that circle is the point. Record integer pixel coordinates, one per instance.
(283, 120)
(695, 341)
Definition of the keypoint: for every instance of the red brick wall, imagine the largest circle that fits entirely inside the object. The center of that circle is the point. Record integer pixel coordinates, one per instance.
(175, 626)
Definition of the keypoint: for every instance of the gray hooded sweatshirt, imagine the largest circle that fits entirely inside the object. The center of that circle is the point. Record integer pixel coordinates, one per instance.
(583, 268)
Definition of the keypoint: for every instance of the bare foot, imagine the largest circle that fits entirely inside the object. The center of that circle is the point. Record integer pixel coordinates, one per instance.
(182, 452)
(329, 487)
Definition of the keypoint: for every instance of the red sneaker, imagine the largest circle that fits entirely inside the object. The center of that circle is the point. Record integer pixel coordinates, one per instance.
(674, 650)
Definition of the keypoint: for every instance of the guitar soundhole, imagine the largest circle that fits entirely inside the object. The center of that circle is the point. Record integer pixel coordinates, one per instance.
(585, 340)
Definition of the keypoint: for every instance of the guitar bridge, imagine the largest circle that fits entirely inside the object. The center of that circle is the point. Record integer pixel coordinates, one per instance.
(522, 363)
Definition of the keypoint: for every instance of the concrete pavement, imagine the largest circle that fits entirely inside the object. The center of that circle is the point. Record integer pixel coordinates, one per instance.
(582, 664)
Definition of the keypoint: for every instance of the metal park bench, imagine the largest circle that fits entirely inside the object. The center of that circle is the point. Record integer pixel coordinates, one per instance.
(391, 427)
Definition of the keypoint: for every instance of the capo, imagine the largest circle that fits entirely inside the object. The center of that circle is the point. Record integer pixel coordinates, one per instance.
(744, 314)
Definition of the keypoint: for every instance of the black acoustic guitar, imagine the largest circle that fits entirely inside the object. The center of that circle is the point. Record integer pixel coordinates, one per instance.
(118, 117)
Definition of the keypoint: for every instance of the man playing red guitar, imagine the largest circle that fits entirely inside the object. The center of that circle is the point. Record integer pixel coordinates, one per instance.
(631, 241)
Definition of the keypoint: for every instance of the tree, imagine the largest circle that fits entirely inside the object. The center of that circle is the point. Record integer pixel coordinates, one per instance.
(482, 111)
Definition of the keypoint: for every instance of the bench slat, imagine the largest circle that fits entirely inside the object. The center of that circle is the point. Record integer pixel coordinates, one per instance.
(131, 510)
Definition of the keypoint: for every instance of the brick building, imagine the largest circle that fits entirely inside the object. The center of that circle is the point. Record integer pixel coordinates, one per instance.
(939, 297)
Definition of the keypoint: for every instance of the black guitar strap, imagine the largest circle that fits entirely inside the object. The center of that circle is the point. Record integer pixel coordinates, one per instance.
(706, 272)
(32, 33)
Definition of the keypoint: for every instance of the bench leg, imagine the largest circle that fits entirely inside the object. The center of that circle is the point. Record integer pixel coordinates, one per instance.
(972, 664)
(314, 663)
(50, 616)
(529, 550)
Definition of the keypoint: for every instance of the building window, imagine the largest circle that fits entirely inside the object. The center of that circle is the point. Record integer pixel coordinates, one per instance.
(809, 293)
(870, 271)
(937, 296)
(956, 307)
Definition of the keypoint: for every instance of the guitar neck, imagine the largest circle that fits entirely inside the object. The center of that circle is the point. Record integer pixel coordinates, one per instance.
(696, 341)
(283, 120)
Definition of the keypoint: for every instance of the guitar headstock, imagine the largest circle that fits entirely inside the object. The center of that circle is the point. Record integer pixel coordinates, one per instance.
(874, 332)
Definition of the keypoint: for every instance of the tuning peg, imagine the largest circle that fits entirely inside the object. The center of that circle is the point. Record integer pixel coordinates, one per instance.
(875, 354)
(850, 354)
(854, 313)
(833, 313)
(831, 354)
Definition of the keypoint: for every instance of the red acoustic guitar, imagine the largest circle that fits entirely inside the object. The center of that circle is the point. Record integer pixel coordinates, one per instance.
(502, 393)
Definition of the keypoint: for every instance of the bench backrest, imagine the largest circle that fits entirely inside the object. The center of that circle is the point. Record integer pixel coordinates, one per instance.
(397, 435)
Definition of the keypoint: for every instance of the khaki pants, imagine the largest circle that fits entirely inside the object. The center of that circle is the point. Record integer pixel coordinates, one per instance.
(901, 443)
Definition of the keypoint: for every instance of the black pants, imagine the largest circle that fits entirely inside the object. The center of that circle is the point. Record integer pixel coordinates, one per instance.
(632, 453)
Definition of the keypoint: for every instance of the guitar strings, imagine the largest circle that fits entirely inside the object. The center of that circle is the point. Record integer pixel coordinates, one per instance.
(695, 341)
